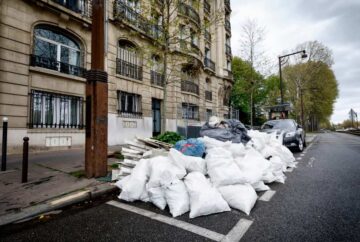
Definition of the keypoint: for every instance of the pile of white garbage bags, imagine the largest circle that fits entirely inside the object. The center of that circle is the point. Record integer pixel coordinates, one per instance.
(229, 176)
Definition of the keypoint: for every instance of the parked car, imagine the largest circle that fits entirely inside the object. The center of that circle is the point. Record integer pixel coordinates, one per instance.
(294, 135)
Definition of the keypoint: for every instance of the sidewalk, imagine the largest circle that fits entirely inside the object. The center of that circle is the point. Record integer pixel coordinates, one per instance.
(310, 137)
(51, 175)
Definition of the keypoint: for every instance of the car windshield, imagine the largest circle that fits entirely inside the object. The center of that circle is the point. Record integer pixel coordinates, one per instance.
(278, 124)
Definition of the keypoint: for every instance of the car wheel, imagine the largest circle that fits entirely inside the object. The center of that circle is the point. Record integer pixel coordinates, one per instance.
(304, 143)
(300, 145)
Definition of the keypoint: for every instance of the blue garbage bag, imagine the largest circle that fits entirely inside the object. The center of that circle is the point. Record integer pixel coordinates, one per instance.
(191, 147)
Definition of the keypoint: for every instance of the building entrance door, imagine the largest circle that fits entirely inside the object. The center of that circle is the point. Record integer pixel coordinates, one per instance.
(156, 113)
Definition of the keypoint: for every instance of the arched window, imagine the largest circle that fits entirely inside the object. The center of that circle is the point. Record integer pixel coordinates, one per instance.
(57, 50)
(129, 61)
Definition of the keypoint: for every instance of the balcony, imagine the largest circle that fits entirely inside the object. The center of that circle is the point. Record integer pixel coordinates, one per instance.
(207, 36)
(130, 114)
(228, 49)
(55, 65)
(189, 11)
(123, 12)
(207, 7)
(209, 64)
(227, 6)
(128, 69)
(208, 95)
(157, 78)
(227, 25)
(189, 86)
(195, 49)
(83, 7)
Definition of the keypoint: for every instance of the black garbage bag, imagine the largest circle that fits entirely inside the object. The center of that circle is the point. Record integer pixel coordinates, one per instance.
(227, 130)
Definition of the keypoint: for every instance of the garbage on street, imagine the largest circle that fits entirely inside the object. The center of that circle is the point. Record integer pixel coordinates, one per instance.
(206, 175)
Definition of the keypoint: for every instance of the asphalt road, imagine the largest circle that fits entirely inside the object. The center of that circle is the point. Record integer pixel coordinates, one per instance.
(318, 202)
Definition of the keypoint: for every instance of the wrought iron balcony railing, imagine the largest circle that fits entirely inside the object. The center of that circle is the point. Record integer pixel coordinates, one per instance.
(228, 49)
(207, 7)
(189, 86)
(227, 6)
(209, 63)
(130, 114)
(84, 7)
(157, 78)
(227, 25)
(129, 15)
(207, 36)
(195, 49)
(55, 65)
(128, 69)
(189, 11)
(208, 95)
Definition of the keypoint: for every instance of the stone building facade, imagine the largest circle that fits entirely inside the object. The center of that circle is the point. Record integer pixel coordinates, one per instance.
(45, 50)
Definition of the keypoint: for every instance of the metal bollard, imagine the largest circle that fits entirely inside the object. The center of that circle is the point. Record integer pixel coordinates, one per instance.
(4, 144)
(25, 160)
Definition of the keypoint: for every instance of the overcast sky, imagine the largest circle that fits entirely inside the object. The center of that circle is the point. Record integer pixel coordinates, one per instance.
(335, 23)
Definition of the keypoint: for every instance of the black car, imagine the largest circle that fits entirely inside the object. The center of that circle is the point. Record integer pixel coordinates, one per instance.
(294, 135)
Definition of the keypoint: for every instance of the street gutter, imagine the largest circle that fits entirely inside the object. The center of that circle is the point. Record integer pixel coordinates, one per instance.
(59, 202)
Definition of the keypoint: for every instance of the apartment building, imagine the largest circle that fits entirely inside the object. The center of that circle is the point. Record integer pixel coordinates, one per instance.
(45, 50)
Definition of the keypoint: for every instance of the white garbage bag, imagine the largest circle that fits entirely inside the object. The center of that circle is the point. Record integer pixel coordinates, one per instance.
(177, 198)
(222, 169)
(157, 196)
(277, 169)
(163, 171)
(260, 186)
(134, 186)
(213, 143)
(242, 196)
(204, 198)
(190, 163)
(237, 150)
(253, 166)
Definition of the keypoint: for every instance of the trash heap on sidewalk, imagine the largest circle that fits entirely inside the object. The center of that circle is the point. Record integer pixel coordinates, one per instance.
(221, 170)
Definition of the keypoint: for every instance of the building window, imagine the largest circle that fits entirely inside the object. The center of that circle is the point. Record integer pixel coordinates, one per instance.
(51, 110)
(156, 73)
(129, 105)
(129, 62)
(55, 50)
(190, 111)
(79, 6)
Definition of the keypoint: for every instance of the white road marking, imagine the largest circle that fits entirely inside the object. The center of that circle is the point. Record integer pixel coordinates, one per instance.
(266, 197)
(238, 231)
(302, 154)
(299, 158)
(171, 221)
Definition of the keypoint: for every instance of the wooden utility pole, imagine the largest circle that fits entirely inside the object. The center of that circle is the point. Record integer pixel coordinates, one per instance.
(97, 97)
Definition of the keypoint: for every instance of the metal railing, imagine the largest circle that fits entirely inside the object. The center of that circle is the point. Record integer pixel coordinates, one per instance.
(129, 15)
(195, 48)
(209, 63)
(228, 49)
(189, 86)
(52, 110)
(208, 95)
(128, 69)
(83, 7)
(207, 7)
(227, 25)
(55, 65)
(207, 36)
(130, 114)
(189, 11)
(227, 5)
(157, 78)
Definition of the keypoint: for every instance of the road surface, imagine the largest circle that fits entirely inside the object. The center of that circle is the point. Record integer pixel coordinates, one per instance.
(320, 201)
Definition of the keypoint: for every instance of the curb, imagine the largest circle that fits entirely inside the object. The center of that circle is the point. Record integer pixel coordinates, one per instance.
(69, 199)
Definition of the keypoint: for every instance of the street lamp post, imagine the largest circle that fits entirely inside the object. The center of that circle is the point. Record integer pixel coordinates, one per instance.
(303, 55)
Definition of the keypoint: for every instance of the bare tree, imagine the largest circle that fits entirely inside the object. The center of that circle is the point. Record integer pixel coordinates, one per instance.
(251, 38)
